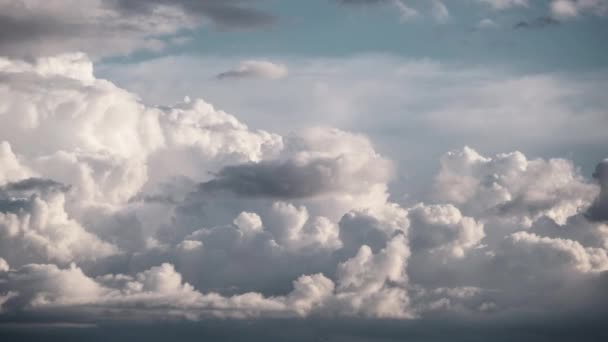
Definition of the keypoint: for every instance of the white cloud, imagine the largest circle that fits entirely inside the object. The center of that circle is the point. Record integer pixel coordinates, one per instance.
(363, 282)
(572, 8)
(550, 254)
(36, 228)
(564, 8)
(443, 229)
(440, 11)
(4, 266)
(487, 24)
(405, 12)
(505, 4)
(111, 206)
(512, 186)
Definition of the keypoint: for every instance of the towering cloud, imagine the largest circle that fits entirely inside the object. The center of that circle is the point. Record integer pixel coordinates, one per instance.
(110, 207)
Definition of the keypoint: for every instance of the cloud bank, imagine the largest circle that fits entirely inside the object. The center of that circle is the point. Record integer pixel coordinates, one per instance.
(113, 208)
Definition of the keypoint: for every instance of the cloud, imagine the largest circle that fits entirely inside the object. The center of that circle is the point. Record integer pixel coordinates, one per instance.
(406, 12)
(112, 208)
(510, 185)
(599, 210)
(550, 255)
(229, 14)
(486, 24)
(440, 11)
(573, 8)
(505, 4)
(4, 266)
(35, 227)
(443, 229)
(310, 168)
(111, 27)
(255, 69)
(538, 23)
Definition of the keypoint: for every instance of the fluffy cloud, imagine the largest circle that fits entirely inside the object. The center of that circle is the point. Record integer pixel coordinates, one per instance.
(443, 229)
(4, 266)
(486, 23)
(542, 254)
(374, 284)
(113, 208)
(512, 186)
(34, 226)
(316, 162)
(256, 69)
(572, 8)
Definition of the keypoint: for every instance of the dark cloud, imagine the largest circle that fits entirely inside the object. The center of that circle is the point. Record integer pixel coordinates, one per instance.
(34, 185)
(14, 197)
(277, 179)
(224, 13)
(599, 209)
(538, 23)
(114, 27)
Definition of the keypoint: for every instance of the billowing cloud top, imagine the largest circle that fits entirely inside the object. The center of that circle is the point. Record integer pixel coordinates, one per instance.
(113, 208)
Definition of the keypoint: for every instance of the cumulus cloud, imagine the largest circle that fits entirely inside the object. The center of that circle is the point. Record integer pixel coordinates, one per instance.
(543, 254)
(512, 186)
(573, 8)
(443, 229)
(34, 226)
(110, 207)
(4, 266)
(255, 69)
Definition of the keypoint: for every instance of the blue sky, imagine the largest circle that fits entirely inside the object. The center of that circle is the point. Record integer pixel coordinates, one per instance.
(570, 48)
(329, 28)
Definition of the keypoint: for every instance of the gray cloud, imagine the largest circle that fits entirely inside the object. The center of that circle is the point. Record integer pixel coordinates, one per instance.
(599, 209)
(110, 27)
(224, 13)
(537, 23)
(277, 179)
(255, 69)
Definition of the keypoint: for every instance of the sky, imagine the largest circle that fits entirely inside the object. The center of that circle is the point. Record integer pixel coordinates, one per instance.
(321, 170)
